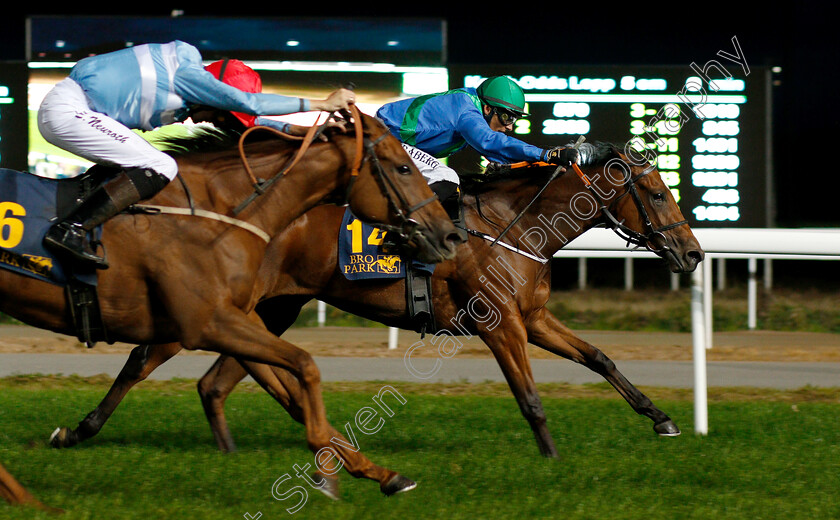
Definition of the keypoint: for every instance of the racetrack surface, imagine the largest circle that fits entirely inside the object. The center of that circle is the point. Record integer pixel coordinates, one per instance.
(360, 354)
(373, 342)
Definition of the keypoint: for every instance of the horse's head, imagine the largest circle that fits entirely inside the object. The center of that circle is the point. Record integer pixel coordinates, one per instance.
(389, 192)
(645, 212)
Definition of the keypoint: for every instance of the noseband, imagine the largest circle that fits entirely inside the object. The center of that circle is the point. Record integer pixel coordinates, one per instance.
(609, 220)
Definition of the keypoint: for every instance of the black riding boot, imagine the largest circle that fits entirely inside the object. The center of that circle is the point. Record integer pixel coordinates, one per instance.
(449, 195)
(69, 236)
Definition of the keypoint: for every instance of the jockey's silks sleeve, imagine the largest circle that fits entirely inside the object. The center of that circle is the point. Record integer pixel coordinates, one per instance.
(444, 123)
(152, 85)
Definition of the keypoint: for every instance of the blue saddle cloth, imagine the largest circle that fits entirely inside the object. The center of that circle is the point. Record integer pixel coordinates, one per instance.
(27, 205)
(359, 254)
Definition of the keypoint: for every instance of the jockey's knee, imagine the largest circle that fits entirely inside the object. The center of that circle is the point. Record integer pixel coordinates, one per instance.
(164, 165)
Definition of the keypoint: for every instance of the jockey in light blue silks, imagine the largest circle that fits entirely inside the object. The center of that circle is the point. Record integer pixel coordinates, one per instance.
(91, 113)
(437, 125)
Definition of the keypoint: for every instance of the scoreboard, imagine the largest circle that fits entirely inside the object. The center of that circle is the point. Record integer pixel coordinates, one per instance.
(710, 138)
(13, 115)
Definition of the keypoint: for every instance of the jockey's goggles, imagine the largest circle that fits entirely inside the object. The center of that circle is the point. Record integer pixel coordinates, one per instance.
(506, 117)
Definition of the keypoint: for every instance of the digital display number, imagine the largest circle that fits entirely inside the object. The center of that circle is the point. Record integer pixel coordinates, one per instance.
(711, 153)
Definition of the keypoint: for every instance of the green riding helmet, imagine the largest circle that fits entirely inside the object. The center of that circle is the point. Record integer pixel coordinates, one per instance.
(503, 92)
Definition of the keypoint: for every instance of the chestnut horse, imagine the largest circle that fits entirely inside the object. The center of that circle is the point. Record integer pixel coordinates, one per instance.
(497, 291)
(194, 280)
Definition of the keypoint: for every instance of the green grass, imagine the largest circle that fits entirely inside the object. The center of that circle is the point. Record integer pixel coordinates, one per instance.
(767, 456)
(805, 310)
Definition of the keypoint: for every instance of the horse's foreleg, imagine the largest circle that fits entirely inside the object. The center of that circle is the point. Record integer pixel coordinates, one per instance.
(288, 392)
(142, 361)
(277, 315)
(509, 348)
(238, 336)
(546, 331)
(219, 382)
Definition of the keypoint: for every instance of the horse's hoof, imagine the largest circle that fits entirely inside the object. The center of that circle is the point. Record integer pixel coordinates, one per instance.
(397, 484)
(327, 485)
(667, 429)
(60, 438)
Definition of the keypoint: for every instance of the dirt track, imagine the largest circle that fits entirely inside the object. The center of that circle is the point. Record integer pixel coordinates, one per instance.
(373, 342)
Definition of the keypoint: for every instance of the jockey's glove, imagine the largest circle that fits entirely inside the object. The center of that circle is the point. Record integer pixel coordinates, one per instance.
(562, 156)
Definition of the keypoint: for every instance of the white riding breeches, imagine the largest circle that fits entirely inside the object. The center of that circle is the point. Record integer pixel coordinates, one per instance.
(66, 120)
(431, 168)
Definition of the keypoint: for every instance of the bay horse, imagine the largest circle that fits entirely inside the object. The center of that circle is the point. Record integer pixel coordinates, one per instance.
(193, 280)
(510, 279)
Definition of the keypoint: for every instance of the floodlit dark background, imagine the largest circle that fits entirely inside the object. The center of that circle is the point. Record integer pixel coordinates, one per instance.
(801, 39)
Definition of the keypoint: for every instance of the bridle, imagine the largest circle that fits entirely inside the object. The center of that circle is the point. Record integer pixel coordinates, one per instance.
(608, 219)
(651, 234)
(407, 228)
(365, 151)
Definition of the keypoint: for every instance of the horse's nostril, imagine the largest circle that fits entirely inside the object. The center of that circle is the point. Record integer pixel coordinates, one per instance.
(456, 238)
(696, 255)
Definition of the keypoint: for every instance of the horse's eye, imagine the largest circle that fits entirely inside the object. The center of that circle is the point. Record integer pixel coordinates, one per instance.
(404, 169)
(658, 197)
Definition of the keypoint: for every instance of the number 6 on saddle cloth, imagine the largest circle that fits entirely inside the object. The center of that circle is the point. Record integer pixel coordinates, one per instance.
(29, 205)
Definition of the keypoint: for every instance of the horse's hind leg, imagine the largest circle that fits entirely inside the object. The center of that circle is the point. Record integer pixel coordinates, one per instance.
(546, 331)
(213, 389)
(237, 335)
(14, 493)
(286, 390)
(508, 344)
(142, 361)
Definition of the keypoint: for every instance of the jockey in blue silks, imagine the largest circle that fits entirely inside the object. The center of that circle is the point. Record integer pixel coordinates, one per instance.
(437, 125)
(92, 114)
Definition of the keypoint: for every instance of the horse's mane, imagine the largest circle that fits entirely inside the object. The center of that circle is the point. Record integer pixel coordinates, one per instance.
(590, 155)
(203, 139)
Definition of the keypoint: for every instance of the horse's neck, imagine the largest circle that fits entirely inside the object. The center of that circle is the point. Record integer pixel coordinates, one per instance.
(558, 216)
(290, 195)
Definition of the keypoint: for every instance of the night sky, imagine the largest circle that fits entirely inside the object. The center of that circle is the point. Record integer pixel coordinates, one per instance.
(801, 39)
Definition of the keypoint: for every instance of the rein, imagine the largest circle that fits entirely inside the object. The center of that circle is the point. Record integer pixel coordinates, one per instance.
(631, 236)
(365, 149)
(260, 185)
(554, 175)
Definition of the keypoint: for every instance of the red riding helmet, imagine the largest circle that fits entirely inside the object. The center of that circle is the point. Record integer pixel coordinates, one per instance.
(237, 74)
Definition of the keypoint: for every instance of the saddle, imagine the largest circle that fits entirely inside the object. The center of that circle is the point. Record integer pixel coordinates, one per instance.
(32, 204)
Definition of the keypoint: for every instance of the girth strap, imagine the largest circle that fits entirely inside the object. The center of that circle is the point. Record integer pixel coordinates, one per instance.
(152, 209)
